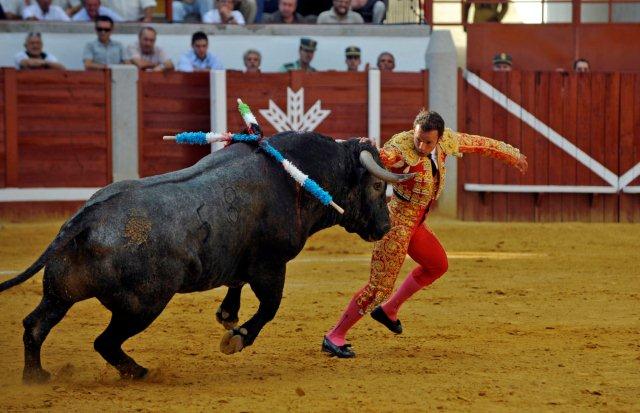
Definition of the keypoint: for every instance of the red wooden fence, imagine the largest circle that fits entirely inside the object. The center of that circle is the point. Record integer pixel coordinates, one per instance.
(169, 103)
(402, 96)
(56, 129)
(598, 112)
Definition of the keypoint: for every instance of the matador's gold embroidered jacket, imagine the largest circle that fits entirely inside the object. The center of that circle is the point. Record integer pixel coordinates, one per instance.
(399, 155)
(412, 198)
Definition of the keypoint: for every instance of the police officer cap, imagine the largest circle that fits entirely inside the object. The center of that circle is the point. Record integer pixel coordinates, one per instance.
(352, 51)
(308, 44)
(502, 58)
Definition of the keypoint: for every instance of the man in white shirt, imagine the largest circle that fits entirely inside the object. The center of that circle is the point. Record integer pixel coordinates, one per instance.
(223, 14)
(43, 10)
(12, 8)
(146, 55)
(33, 57)
(71, 7)
(133, 10)
(340, 13)
(92, 9)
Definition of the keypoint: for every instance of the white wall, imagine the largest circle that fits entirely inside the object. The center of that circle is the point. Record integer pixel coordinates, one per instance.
(275, 49)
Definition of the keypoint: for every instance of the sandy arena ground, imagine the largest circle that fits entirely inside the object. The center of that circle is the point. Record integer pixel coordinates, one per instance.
(528, 318)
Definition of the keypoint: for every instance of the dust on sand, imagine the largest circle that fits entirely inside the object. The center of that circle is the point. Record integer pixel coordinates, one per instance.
(529, 317)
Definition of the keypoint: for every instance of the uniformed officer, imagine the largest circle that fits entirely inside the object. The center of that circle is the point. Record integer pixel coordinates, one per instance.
(502, 62)
(307, 50)
(352, 54)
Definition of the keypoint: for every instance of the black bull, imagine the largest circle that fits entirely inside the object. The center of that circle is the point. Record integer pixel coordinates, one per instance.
(235, 217)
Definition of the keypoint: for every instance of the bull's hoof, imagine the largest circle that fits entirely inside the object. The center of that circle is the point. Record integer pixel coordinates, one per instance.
(232, 341)
(227, 321)
(134, 373)
(35, 376)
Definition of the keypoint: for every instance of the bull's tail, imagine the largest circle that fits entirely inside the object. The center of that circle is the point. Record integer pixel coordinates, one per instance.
(69, 231)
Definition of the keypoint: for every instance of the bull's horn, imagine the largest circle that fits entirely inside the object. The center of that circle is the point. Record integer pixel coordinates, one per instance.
(366, 159)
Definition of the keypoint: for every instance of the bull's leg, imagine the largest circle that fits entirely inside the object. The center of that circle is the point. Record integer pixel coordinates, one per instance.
(227, 313)
(124, 325)
(37, 326)
(267, 284)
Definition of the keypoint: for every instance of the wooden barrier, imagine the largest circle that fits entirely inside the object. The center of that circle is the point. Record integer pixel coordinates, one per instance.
(402, 96)
(169, 103)
(552, 46)
(56, 129)
(597, 113)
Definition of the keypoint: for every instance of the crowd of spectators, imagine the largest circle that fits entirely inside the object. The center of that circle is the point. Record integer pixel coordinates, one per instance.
(205, 11)
(146, 55)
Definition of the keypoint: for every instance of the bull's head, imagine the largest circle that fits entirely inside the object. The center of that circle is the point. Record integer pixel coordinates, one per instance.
(367, 214)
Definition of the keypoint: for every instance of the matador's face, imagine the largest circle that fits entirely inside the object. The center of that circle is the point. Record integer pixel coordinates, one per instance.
(424, 142)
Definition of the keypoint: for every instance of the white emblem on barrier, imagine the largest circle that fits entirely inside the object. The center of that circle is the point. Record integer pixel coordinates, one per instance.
(295, 119)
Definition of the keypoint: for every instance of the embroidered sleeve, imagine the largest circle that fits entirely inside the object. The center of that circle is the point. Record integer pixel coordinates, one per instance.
(487, 147)
(391, 157)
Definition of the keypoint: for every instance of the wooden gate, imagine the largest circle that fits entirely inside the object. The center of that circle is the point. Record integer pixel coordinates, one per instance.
(580, 132)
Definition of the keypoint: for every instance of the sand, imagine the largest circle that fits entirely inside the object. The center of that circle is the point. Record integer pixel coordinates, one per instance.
(530, 317)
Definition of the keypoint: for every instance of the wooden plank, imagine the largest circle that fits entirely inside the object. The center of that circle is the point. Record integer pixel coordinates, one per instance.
(107, 122)
(629, 141)
(402, 95)
(567, 163)
(11, 127)
(485, 167)
(528, 146)
(611, 140)
(472, 163)
(583, 175)
(516, 208)
(500, 82)
(3, 159)
(554, 156)
(59, 77)
(542, 145)
(597, 140)
(461, 194)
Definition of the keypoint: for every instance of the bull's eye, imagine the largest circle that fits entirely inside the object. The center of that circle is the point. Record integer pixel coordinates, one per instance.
(377, 186)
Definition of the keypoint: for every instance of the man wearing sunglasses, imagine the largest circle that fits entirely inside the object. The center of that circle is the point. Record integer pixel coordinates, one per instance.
(352, 55)
(101, 53)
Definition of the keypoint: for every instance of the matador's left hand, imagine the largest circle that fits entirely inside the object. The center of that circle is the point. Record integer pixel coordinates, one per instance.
(522, 164)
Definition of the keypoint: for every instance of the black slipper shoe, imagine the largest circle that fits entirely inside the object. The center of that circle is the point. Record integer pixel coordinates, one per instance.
(343, 352)
(380, 316)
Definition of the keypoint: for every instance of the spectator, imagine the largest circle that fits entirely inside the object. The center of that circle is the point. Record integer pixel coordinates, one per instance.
(43, 10)
(581, 66)
(386, 62)
(286, 13)
(33, 57)
(484, 12)
(92, 9)
(199, 59)
(252, 59)
(133, 10)
(352, 54)
(146, 55)
(12, 9)
(223, 13)
(306, 51)
(502, 62)
(71, 7)
(248, 9)
(181, 9)
(340, 14)
(372, 11)
(103, 51)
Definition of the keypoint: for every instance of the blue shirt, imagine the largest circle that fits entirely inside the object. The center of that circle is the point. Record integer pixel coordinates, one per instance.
(189, 62)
